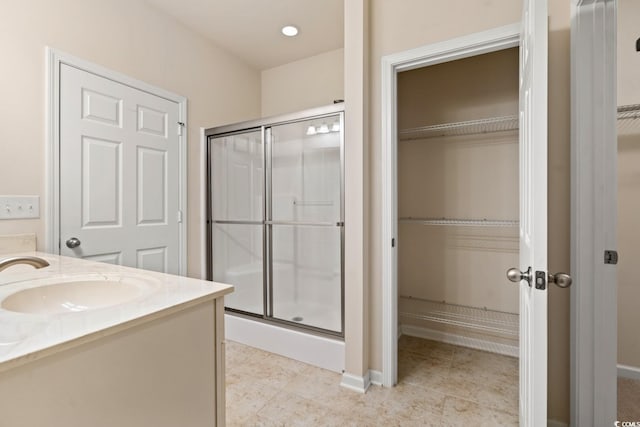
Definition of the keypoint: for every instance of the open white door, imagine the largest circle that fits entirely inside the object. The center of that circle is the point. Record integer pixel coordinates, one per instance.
(533, 215)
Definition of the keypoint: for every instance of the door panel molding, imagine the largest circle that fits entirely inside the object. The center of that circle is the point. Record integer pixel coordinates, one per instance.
(101, 110)
(593, 212)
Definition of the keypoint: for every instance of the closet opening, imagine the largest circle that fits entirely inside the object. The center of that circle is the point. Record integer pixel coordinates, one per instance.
(458, 206)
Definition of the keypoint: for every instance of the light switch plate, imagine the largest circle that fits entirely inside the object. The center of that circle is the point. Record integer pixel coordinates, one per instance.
(19, 207)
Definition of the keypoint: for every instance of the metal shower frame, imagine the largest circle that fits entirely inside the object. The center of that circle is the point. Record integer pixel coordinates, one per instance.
(264, 126)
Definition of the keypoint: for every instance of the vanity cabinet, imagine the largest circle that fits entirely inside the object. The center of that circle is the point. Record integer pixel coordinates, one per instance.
(168, 371)
(154, 360)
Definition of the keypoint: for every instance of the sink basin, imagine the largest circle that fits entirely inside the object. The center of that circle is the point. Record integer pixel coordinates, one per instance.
(68, 297)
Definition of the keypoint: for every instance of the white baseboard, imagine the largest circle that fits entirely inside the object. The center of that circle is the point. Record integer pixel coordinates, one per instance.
(416, 331)
(355, 382)
(630, 372)
(312, 349)
(555, 423)
(375, 377)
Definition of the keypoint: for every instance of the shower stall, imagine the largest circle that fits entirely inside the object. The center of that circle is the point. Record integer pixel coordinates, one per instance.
(276, 218)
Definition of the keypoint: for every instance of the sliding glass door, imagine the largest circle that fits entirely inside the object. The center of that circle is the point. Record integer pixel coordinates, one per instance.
(237, 210)
(276, 220)
(305, 222)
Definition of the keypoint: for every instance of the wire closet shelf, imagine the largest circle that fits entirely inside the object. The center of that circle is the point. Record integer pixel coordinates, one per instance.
(472, 318)
(460, 222)
(627, 113)
(628, 116)
(470, 127)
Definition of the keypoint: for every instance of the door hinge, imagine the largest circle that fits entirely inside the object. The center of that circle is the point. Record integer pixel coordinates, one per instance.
(610, 257)
(393, 242)
(180, 127)
(180, 217)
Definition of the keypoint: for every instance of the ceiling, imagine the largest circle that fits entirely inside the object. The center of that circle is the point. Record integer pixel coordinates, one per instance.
(250, 29)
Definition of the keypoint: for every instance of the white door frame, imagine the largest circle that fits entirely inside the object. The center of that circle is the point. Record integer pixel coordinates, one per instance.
(54, 59)
(593, 212)
(450, 50)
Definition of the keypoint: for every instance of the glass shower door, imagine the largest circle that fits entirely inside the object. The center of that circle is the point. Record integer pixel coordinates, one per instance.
(237, 202)
(305, 222)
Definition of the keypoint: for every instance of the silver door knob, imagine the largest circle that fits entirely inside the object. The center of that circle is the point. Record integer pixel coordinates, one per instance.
(515, 275)
(562, 280)
(73, 243)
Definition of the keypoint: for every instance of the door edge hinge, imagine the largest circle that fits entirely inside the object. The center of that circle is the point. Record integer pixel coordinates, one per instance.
(180, 217)
(610, 257)
(393, 242)
(180, 127)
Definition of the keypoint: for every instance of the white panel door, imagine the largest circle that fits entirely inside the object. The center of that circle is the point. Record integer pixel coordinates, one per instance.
(533, 214)
(119, 173)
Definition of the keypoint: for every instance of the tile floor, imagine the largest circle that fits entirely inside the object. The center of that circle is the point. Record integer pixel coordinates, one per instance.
(628, 399)
(439, 385)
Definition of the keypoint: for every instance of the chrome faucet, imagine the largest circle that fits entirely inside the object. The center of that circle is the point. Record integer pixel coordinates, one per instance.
(29, 260)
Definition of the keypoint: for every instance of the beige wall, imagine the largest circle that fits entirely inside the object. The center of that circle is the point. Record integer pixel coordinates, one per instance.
(398, 26)
(628, 186)
(125, 36)
(307, 83)
(356, 191)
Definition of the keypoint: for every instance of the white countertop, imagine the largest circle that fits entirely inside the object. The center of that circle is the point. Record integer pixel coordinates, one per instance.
(27, 336)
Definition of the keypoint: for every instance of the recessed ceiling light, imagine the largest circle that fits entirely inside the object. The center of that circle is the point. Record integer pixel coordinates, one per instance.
(289, 30)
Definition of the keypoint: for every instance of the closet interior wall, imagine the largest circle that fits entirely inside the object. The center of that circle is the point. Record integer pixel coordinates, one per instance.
(628, 238)
(458, 201)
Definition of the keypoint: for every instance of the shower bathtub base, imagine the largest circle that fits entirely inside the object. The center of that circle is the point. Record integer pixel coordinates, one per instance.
(323, 352)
